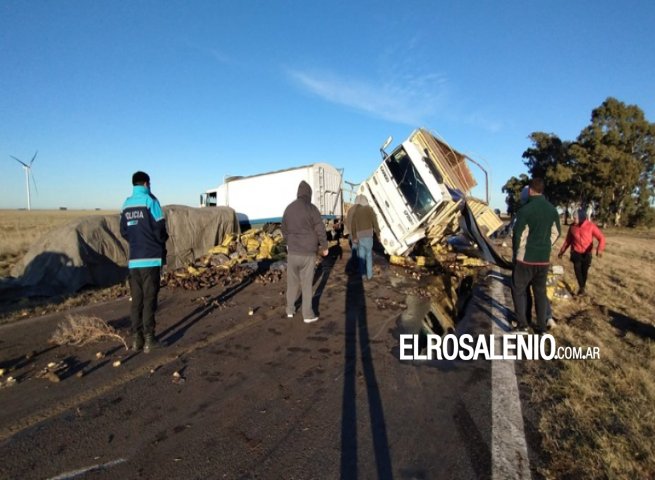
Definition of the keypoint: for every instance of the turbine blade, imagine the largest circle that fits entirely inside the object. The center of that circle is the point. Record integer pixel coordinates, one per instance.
(33, 158)
(19, 161)
(34, 182)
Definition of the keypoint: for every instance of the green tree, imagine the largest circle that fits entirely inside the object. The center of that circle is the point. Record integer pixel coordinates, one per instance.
(615, 157)
(549, 159)
(513, 188)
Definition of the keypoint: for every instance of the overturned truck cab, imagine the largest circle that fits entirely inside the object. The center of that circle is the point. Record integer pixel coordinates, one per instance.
(419, 190)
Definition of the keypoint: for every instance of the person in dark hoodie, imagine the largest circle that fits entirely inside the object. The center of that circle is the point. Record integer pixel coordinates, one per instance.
(304, 232)
(364, 225)
(144, 227)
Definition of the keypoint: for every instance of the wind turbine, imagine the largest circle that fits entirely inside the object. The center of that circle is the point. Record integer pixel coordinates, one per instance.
(28, 174)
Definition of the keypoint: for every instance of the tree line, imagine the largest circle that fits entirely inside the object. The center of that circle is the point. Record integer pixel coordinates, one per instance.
(608, 168)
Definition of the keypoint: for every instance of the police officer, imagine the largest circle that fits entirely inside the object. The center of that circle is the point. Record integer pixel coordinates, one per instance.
(144, 227)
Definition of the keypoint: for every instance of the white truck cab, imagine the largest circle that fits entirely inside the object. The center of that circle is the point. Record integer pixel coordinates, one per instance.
(404, 191)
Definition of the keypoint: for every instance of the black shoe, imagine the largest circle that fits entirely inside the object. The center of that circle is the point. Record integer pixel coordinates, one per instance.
(137, 342)
(151, 343)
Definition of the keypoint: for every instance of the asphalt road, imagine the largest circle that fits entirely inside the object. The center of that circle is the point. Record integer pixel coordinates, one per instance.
(260, 396)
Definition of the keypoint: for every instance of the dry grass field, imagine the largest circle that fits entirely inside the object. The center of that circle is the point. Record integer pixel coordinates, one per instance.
(19, 229)
(595, 417)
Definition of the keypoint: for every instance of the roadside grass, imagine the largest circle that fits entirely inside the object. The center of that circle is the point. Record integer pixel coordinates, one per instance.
(596, 417)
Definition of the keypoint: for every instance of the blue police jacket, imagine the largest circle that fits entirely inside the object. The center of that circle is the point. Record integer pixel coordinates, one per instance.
(144, 227)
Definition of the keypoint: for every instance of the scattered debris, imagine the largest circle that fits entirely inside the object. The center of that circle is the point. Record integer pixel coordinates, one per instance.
(178, 379)
(10, 382)
(52, 376)
(100, 355)
(271, 276)
(207, 301)
(117, 363)
(558, 270)
(251, 311)
(383, 303)
(54, 371)
(80, 330)
(229, 263)
(196, 278)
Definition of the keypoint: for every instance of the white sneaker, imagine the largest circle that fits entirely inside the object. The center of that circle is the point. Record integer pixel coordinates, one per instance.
(289, 315)
(310, 320)
(551, 323)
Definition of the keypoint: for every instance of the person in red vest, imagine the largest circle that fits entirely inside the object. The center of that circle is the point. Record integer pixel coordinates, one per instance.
(581, 240)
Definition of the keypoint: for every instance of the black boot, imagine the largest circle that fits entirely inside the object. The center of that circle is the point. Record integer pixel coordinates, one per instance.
(137, 342)
(151, 343)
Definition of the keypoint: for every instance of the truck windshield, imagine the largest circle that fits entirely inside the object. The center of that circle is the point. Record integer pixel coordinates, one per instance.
(210, 201)
(411, 184)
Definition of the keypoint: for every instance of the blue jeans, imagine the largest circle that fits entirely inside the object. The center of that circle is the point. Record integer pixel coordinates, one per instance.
(365, 255)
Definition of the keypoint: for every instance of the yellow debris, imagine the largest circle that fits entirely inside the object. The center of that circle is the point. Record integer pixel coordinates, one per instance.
(401, 261)
(229, 238)
(266, 249)
(252, 245)
(195, 271)
(550, 292)
(220, 249)
(424, 261)
(472, 262)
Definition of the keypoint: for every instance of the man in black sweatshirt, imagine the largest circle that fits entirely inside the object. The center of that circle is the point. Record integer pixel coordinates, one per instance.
(304, 232)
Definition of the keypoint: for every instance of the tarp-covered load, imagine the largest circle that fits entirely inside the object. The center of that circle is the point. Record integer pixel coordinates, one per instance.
(91, 251)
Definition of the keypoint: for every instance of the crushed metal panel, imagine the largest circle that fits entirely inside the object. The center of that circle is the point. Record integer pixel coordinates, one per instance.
(444, 219)
(449, 162)
(486, 218)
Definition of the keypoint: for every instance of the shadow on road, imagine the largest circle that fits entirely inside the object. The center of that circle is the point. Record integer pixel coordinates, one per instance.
(357, 327)
(175, 332)
(322, 275)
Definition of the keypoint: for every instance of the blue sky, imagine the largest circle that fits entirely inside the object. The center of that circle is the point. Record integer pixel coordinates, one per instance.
(193, 91)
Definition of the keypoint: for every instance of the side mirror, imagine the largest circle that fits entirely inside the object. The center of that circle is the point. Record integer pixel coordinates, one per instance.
(386, 143)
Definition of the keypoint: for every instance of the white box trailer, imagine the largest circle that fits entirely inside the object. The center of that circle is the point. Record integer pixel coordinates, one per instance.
(262, 198)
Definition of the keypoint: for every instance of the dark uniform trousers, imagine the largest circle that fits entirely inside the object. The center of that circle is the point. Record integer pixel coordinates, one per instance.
(144, 286)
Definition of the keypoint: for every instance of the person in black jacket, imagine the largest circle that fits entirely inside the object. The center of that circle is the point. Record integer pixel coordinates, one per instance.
(304, 232)
(144, 227)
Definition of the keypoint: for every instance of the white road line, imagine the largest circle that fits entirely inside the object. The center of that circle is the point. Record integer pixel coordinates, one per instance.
(82, 471)
(509, 450)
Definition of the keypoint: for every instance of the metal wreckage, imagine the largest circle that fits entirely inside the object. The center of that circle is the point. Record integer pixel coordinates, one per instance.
(420, 192)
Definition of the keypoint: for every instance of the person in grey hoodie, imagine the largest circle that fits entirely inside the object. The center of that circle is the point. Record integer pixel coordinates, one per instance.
(304, 232)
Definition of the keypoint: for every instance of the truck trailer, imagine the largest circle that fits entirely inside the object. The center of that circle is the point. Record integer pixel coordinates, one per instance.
(260, 199)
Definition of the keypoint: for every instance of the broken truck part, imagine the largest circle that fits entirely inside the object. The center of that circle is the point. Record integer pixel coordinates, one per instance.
(420, 190)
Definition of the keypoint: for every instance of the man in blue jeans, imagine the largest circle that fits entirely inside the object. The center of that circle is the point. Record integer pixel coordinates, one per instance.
(144, 227)
(363, 226)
